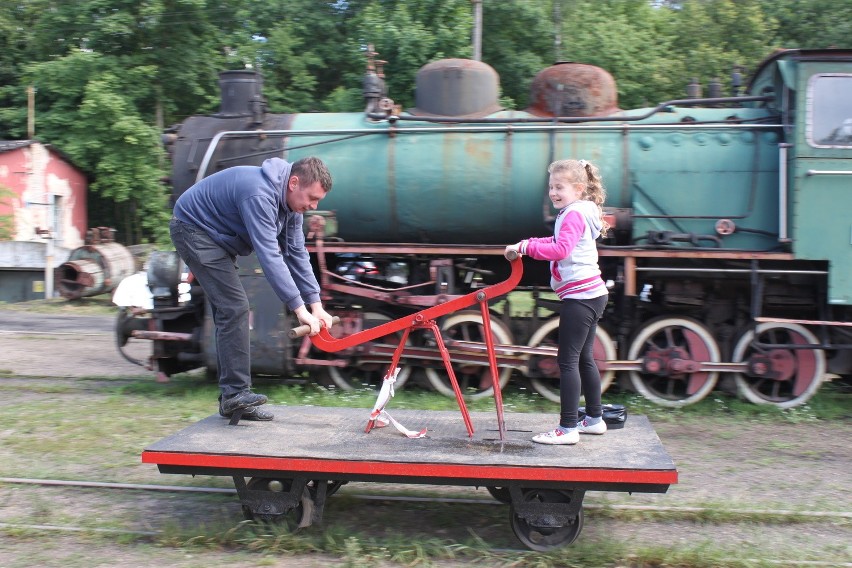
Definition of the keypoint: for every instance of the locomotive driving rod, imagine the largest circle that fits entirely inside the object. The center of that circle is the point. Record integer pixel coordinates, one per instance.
(425, 319)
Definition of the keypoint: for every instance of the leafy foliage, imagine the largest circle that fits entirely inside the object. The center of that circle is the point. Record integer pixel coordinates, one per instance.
(523, 49)
(409, 35)
(631, 40)
(92, 114)
(715, 36)
(810, 23)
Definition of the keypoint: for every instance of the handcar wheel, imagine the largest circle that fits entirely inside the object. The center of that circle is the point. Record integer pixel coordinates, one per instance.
(541, 533)
(365, 372)
(474, 380)
(670, 349)
(292, 518)
(791, 376)
(544, 370)
(500, 493)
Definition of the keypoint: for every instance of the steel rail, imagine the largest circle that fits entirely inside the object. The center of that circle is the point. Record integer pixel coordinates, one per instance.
(404, 498)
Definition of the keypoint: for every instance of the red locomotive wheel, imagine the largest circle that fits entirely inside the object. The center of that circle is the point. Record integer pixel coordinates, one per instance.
(784, 377)
(364, 372)
(671, 351)
(474, 380)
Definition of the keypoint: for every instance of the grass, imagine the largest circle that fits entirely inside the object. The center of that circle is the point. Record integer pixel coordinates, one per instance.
(359, 547)
(95, 429)
(377, 535)
(100, 305)
(832, 401)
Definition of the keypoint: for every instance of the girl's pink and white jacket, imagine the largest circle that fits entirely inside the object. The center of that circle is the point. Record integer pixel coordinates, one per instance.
(574, 271)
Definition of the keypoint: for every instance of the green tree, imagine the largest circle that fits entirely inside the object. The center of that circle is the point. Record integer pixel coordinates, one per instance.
(410, 34)
(298, 46)
(88, 107)
(712, 36)
(17, 19)
(109, 74)
(814, 24)
(518, 41)
(632, 41)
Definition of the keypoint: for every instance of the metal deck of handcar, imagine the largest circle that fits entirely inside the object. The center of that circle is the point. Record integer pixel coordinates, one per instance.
(306, 453)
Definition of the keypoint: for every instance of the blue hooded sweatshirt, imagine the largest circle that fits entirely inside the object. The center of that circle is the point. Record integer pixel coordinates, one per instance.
(244, 209)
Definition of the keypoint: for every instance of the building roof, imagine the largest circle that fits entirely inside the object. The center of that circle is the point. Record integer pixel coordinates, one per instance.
(9, 145)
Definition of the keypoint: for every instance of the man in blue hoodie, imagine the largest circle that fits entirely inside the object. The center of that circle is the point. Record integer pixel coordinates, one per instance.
(232, 213)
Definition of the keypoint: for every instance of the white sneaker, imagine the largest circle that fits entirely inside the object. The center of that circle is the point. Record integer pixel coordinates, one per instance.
(584, 428)
(557, 437)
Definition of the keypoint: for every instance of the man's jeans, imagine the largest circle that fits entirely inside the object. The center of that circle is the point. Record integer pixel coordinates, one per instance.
(216, 272)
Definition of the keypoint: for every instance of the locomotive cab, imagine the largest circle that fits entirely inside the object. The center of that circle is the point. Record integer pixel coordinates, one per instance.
(814, 91)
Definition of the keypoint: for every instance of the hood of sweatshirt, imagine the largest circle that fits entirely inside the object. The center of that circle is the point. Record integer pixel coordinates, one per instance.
(277, 171)
(591, 213)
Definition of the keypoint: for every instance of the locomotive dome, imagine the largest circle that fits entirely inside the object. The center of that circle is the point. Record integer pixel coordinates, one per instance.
(573, 89)
(455, 88)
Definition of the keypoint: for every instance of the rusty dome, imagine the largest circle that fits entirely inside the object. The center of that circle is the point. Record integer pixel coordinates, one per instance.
(455, 88)
(573, 89)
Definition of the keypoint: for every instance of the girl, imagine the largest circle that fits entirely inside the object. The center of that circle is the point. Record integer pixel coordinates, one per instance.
(575, 189)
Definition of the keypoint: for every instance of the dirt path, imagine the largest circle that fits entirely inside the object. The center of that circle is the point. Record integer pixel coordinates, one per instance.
(40, 345)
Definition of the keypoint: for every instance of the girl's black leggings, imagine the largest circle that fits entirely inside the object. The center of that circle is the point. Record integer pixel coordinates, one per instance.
(578, 321)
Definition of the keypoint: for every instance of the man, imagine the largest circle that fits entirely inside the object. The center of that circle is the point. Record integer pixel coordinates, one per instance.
(232, 213)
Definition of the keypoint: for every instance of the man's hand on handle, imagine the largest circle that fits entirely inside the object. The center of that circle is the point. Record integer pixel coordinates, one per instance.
(308, 319)
(319, 312)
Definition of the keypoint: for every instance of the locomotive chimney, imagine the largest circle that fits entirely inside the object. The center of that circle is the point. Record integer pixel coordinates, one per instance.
(241, 92)
(714, 88)
(736, 80)
(693, 90)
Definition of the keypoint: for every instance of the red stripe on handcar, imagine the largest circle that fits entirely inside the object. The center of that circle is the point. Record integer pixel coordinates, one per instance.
(299, 465)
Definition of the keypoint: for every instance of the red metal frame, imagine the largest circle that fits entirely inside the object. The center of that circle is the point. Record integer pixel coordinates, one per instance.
(425, 319)
(422, 470)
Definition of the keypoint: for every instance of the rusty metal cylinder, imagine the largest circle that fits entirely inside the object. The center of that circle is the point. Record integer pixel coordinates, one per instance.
(94, 269)
(573, 89)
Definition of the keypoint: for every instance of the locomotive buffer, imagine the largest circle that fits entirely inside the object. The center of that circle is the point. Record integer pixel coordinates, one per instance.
(284, 470)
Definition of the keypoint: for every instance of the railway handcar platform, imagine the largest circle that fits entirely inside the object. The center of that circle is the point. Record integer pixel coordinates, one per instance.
(296, 461)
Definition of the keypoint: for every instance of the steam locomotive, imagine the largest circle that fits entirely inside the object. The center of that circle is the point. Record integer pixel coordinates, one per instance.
(728, 263)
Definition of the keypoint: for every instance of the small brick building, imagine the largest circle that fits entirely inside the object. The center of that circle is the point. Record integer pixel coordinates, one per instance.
(41, 189)
(41, 194)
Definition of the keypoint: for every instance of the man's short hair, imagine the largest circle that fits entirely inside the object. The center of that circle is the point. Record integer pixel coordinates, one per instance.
(310, 170)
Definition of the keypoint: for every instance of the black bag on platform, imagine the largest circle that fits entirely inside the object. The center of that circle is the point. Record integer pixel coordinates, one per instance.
(615, 415)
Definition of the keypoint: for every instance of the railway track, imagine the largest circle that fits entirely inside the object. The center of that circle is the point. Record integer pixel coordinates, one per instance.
(403, 498)
(655, 518)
